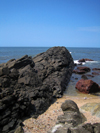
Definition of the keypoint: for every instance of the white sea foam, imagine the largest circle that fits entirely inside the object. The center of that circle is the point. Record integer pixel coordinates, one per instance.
(86, 62)
(56, 127)
(92, 61)
(76, 62)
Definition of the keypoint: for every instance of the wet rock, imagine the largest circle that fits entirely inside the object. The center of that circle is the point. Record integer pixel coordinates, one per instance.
(81, 60)
(95, 73)
(84, 68)
(87, 86)
(88, 59)
(89, 75)
(81, 70)
(84, 77)
(84, 60)
(97, 69)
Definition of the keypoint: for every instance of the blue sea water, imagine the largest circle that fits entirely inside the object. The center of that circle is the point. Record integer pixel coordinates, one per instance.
(7, 53)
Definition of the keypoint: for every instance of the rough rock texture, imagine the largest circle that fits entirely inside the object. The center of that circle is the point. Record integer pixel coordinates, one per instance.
(71, 118)
(72, 114)
(54, 67)
(81, 70)
(94, 108)
(75, 124)
(27, 85)
(87, 86)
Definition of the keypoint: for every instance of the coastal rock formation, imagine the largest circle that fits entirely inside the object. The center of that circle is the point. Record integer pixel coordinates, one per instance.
(71, 118)
(81, 70)
(54, 67)
(28, 85)
(84, 60)
(96, 71)
(72, 114)
(87, 86)
(73, 121)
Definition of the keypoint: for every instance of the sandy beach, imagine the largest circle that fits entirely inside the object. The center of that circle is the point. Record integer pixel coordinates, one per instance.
(48, 119)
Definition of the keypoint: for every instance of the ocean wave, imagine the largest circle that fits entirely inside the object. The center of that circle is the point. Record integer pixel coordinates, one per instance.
(76, 62)
(86, 62)
(92, 61)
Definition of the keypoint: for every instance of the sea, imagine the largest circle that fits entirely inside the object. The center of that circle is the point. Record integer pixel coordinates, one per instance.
(7, 53)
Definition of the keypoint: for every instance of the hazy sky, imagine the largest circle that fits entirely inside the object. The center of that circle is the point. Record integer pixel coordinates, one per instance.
(70, 23)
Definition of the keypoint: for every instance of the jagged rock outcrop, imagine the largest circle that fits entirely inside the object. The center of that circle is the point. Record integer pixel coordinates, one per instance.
(27, 85)
(54, 67)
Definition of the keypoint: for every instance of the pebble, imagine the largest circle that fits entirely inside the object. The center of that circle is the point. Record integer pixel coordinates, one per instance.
(85, 98)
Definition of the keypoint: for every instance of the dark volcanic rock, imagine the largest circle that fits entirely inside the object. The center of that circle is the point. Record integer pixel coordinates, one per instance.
(54, 67)
(81, 70)
(95, 73)
(88, 59)
(84, 77)
(97, 69)
(83, 60)
(87, 86)
(28, 85)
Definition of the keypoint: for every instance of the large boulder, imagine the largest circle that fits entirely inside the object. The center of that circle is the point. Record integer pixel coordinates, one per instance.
(28, 85)
(54, 67)
(73, 121)
(72, 114)
(87, 86)
(72, 117)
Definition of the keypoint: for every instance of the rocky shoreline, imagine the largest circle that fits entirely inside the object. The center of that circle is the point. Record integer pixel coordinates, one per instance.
(27, 85)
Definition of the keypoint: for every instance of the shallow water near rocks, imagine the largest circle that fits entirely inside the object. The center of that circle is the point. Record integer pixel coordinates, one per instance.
(72, 91)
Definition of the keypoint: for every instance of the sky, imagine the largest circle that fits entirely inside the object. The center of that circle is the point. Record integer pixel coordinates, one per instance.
(47, 23)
